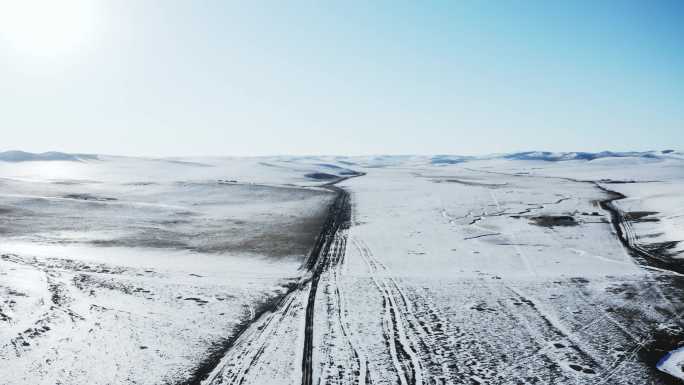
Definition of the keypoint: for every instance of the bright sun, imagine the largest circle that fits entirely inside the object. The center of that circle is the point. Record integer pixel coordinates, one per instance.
(46, 27)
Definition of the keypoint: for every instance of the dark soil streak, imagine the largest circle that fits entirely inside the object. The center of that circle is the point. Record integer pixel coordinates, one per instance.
(480, 236)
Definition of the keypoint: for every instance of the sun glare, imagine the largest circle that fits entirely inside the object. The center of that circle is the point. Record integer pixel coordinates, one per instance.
(45, 27)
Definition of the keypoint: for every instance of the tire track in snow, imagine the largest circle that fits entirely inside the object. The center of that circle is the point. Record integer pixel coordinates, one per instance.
(325, 258)
(342, 314)
(421, 349)
(590, 363)
(349, 366)
(399, 333)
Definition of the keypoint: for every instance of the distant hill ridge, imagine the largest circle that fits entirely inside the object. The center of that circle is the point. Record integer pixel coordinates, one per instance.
(23, 156)
(557, 156)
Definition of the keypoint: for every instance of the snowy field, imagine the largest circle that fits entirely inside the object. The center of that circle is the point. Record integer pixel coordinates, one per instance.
(530, 268)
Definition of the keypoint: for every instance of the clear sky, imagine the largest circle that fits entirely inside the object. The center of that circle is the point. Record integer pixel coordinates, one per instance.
(166, 78)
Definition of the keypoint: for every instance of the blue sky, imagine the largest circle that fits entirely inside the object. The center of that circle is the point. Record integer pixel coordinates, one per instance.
(253, 78)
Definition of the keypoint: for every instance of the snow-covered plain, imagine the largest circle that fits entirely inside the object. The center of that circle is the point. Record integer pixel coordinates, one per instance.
(123, 270)
(506, 269)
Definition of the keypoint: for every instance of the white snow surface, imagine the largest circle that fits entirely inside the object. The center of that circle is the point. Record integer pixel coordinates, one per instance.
(502, 269)
(673, 363)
